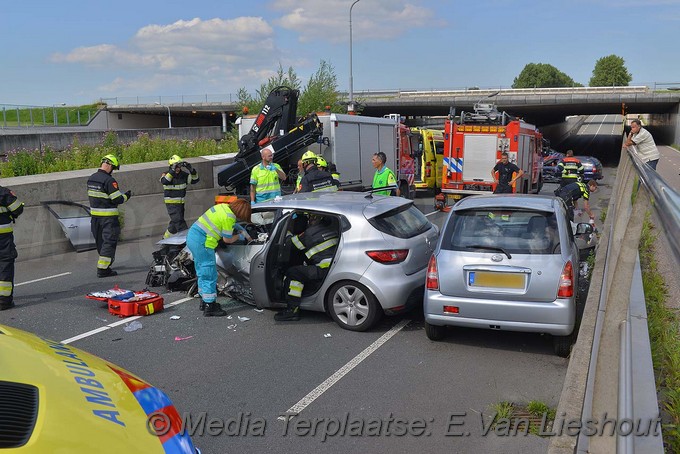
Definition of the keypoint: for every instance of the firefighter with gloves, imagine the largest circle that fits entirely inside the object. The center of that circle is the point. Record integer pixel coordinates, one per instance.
(10, 209)
(316, 180)
(318, 243)
(105, 196)
(218, 223)
(175, 183)
(574, 191)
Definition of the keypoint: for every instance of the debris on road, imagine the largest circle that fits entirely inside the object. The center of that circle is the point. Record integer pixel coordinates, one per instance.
(259, 311)
(327, 335)
(178, 338)
(133, 326)
(175, 317)
(243, 319)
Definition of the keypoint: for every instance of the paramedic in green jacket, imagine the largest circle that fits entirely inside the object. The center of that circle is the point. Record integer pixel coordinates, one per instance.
(264, 178)
(383, 175)
(215, 225)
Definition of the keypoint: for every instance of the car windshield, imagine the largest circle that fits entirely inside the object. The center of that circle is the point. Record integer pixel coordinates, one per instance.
(509, 231)
(404, 222)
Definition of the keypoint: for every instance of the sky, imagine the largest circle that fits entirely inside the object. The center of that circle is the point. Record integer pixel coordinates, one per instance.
(78, 52)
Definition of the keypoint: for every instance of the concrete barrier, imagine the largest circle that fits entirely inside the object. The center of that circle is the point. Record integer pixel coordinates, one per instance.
(38, 234)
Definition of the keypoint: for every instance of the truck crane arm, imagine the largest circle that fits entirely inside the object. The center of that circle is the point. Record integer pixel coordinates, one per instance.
(275, 126)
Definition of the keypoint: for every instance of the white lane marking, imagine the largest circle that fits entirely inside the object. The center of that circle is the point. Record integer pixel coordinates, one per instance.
(42, 279)
(119, 322)
(344, 370)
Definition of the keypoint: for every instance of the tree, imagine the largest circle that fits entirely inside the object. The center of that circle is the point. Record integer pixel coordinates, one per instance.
(610, 71)
(319, 92)
(543, 75)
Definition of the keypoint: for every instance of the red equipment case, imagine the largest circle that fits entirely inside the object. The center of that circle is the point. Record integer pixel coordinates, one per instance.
(140, 303)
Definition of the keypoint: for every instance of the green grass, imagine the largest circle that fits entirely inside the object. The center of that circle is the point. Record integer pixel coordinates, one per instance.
(503, 410)
(77, 156)
(664, 326)
(603, 215)
(46, 116)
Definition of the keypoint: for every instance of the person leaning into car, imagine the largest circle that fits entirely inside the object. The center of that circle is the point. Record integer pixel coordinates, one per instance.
(10, 209)
(218, 223)
(574, 191)
(175, 184)
(318, 242)
(505, 179)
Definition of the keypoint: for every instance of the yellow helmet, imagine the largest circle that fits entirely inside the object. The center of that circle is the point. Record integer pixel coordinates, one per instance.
(321, 162)
(309, 156)
(174, 159)
(111, 159)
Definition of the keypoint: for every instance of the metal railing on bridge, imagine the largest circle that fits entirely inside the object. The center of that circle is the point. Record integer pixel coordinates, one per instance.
(20, 116)
(610, 375)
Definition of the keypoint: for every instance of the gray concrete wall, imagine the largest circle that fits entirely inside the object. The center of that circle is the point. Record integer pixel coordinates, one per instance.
(559, 132)
(38, 234)
(665, 128)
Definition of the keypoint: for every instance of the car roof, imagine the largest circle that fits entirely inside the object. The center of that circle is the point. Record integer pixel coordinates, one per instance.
(341, 202)
(527, 201)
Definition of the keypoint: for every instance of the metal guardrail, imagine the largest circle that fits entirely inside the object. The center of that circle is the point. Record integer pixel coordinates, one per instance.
(610, 375)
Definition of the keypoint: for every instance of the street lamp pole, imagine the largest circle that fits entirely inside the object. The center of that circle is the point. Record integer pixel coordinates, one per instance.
(169, 117)
(350, 106)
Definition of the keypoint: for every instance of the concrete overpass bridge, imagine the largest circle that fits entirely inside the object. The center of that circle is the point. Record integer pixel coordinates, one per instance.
(541, 106)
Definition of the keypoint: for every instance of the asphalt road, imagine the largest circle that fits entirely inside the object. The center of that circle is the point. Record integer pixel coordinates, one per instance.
(390, 389)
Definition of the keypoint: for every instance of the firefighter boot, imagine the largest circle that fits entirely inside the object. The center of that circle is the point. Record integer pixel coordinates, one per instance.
(201, 307)
(5, 306)
(214, 310)
(289, 315)
(106, 272)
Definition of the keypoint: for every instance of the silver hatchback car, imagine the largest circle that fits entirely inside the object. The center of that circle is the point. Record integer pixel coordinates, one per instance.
(506, 262)
(379, 265)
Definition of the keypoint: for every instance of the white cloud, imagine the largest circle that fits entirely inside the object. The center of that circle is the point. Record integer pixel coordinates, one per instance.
(371, 19)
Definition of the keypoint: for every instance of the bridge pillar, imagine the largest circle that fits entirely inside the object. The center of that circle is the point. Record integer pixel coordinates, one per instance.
(224, 122)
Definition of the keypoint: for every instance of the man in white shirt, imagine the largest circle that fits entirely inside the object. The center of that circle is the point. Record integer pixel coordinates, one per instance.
(644, 142)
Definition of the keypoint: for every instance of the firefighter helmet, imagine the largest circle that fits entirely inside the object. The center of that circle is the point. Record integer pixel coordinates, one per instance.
(174, 159)
(308, 156)
(321, 162)
(111, 159)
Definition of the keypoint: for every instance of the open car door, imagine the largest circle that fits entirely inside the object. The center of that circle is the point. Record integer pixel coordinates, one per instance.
(74, 219)
(266, 279)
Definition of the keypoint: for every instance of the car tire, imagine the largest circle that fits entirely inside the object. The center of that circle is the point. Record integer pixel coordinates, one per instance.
(435, 332)
(562, 345)
(353, 306)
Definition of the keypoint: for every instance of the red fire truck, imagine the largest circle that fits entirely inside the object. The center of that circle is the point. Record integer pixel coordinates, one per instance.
(473, 143)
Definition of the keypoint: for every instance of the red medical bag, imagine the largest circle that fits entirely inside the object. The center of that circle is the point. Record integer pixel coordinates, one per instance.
(125, 303)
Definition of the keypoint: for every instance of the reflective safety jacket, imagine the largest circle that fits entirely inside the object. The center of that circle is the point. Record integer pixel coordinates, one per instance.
(318, 243)
(573, 191)
(570, 168)
(266, 182)
(384, 177)
(217, 223)
(175, 185)
(316, 180)
(104, 195)
(10, 209)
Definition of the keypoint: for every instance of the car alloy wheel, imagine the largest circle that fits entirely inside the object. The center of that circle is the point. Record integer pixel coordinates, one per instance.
(353, 306)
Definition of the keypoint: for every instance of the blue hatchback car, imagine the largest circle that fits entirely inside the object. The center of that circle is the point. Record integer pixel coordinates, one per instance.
(592, 168)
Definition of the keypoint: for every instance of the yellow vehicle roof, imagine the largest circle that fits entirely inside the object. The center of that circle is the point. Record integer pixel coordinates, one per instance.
(84, 404)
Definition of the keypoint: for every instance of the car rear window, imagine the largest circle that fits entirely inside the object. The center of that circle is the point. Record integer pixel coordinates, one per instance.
(404, 222)
(510, 231)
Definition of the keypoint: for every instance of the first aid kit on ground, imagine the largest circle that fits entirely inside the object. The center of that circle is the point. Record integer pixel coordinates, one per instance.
(126, 303)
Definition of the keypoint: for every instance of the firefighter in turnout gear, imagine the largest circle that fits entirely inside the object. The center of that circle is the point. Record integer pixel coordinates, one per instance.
(570, 169)
(318, 243)
(316, 180)
(10, 209)
(105, 196)
(175, 183)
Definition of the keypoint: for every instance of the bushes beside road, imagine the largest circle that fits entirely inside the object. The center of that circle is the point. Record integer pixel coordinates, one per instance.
(78, 156)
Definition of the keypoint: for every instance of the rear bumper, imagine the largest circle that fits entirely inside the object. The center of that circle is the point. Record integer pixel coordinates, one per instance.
(396, 292)
(556, 318)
